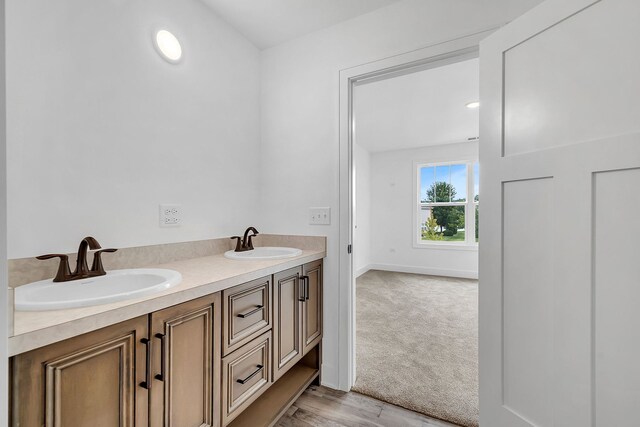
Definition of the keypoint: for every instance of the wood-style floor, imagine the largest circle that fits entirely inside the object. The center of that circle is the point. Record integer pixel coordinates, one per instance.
(324, 407)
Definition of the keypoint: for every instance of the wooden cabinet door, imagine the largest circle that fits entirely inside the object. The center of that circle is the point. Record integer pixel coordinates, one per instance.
(312, 307)
(92, 380)
(287, 309)
(185, 388)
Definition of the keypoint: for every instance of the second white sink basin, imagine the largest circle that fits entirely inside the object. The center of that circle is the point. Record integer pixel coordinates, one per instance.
(265, 252)
(116, 285)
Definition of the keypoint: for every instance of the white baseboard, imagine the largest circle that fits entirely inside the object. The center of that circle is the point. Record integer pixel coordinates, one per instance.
(359, 272)
(464, 274)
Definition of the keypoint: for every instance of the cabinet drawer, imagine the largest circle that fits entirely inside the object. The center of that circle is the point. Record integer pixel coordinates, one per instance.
(245, 376)
(246, 313)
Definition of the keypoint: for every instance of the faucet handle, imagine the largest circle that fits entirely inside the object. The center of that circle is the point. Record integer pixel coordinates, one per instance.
(49, 256)
(63, 268)
(238, 243)
(97, 269)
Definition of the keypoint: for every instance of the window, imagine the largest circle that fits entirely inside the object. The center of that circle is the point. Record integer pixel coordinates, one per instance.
(476, 197)
(447, 203)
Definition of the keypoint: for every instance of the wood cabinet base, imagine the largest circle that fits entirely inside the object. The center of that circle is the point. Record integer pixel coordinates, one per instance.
(164, 369)
(268, 408)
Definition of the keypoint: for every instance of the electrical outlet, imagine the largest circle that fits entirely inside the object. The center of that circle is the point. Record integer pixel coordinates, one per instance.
(319, 216)
(170, 215)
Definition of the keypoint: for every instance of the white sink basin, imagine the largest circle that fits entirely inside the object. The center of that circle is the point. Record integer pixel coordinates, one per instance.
(116, 285)
(263, 253)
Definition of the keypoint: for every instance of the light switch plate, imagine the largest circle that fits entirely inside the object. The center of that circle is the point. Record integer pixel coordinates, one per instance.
(170, 215)
(319, 216)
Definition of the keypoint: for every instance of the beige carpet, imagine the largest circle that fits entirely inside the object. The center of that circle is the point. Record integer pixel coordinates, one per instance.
(417, 343)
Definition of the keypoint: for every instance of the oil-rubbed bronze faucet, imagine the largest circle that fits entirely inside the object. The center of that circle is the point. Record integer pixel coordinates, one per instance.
(244, 243)
(82, 271)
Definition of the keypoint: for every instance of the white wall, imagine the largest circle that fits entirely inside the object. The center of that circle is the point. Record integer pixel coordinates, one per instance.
(362, 222)
(392, 224)
(101, 130)
(300, 118)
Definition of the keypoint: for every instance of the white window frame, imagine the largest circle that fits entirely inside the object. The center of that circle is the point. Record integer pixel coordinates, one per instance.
(470, 208)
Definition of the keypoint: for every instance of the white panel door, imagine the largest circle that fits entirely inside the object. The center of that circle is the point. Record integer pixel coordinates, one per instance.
(560, 222)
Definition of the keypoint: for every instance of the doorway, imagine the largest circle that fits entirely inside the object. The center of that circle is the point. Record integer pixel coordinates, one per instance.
(415, 240)
(404, 66)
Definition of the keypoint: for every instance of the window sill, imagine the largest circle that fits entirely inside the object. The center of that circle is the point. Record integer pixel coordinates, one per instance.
(447, 246)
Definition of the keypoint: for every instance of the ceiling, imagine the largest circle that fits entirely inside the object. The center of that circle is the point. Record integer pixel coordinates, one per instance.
(267, 23)
(418, 109)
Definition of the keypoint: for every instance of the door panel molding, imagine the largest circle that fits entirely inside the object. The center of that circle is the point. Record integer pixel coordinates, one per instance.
(312, 308)
(204, 315)
(123, 347)
(543, 17)
(186, 363)
(572, 297)
(555, 75)
(92, 379)
(615, 269)
(527, 276)
(288, 325)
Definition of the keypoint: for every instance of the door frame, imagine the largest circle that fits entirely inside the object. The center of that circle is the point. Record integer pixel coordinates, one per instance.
(6, 320)
(465, 47)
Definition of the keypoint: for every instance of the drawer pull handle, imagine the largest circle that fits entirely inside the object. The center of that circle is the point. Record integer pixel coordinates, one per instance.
(160, 376)
(301, 289)
(304, 280)
(147, 376)
(306, 288)
(251, 376)
(254, 311)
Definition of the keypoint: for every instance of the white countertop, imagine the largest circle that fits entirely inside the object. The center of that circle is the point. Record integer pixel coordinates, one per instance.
(200, 277)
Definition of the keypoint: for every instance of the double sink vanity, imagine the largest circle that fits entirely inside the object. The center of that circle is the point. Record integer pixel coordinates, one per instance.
(209, 336)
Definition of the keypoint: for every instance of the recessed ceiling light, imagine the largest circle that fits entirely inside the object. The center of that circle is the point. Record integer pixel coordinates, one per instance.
(168, 46)
(473, 105)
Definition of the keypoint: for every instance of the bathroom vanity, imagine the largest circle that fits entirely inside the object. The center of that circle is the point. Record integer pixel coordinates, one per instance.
(227, 352)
